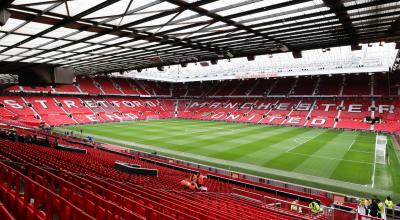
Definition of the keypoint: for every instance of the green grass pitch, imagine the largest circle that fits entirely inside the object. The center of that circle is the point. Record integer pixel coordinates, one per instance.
(341, 161)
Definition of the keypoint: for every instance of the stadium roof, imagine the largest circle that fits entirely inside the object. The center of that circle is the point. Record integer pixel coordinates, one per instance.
(102, 36)
(371, 58)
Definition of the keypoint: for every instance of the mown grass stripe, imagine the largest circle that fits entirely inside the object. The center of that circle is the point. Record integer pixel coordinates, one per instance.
(239, 151)
(289, 161)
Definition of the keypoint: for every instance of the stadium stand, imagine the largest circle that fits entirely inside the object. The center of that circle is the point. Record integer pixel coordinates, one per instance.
(86, 187)
(327, 64)
(300, 108)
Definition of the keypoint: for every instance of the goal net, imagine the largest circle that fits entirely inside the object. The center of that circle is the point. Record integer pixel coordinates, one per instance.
(380, 149)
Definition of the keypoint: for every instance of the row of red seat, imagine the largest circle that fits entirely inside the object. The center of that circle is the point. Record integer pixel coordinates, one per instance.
(327, 112)
(24, 198)
(90, 182)
(336, 85)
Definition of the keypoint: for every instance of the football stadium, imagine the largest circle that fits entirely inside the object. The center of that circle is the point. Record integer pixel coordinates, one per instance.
(199, 109)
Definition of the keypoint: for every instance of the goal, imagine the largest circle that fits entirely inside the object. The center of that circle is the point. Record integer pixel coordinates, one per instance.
(380, 149)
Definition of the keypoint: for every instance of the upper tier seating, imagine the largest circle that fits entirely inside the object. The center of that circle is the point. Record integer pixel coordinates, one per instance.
(126, 87)
(330, 86)
(282, 87)
(357, 85)
(88, 85)
(361, 85)
(66, 89)
(108, 85)
(262, 87)
(305, 86)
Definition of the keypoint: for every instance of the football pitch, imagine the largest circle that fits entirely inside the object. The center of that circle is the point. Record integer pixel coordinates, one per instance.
(340, 161)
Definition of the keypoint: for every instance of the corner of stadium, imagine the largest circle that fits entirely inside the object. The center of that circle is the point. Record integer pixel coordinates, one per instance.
(199, 109)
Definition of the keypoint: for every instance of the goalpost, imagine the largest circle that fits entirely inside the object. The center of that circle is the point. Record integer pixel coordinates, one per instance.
(380, 149)
(380, 154)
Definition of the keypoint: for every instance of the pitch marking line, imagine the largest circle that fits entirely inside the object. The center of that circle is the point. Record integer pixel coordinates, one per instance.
(330, 158)
(301, 141)
(362, 151)
(348, 149)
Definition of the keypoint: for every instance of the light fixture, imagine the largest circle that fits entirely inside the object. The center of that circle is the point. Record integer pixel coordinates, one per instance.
(160, 68)
(214, 61)
(251, 58)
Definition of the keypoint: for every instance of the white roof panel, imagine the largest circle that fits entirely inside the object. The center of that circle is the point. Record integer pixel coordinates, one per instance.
(11, 24)
(12, 39)
(32, 28)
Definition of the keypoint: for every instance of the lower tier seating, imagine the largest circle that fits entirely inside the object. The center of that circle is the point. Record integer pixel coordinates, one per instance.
(380, 115)
(43, 182)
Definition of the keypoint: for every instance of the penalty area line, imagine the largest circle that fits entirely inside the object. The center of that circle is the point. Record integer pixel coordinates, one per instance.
(348, 149)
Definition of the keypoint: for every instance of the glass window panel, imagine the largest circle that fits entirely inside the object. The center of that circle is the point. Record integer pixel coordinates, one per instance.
(105, 49)
(76, 57)
(32, 52)
(118, 40)
(11, 24)
(188, 31)
(117, 8)
(14, 58)
(22, 2)
(137, 43)
(50, 54)
(77, 6)
(89, 48)
(43, 60)
(156, 22)
(169, 27)
(131, 18)
(60, 32)
(55, 61)
(102, 38)
(248, 7)
(75, 46)
(61, 10)
(63, 54)
(55, 44)
(36, 42)
(147, 44)
(115, 51)
(32, 60)
(220, 4)
(163, 6)
(32, 28)
(80, 35)
(185, 15)
(12, 39)
(14, 51)
(41, 7)
(3, 57)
